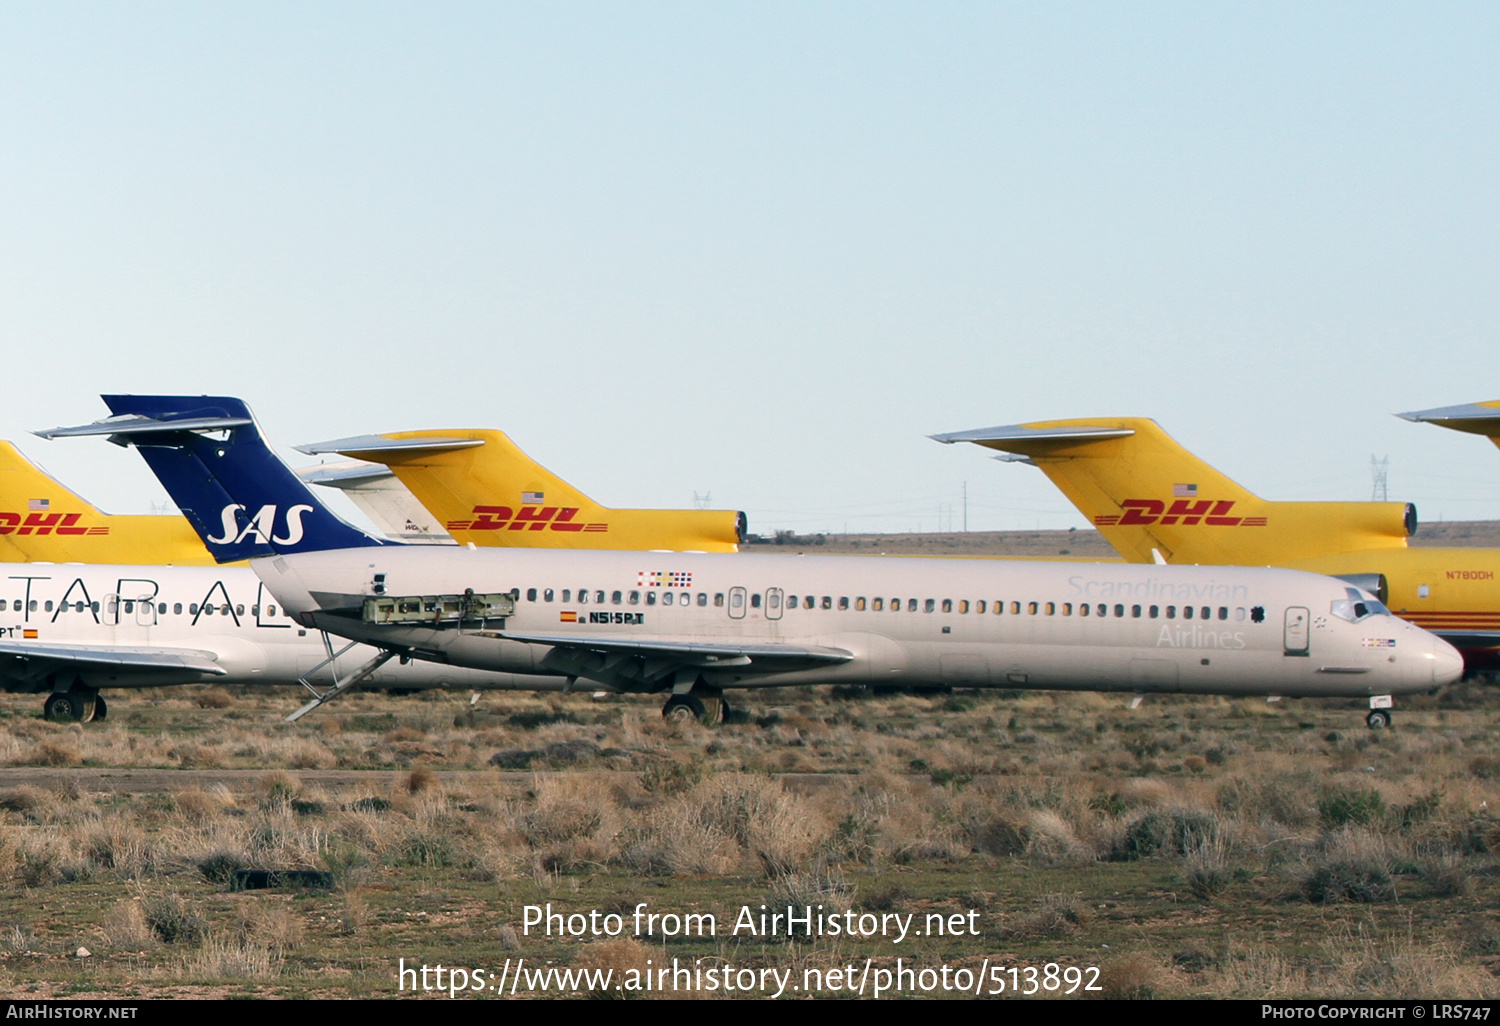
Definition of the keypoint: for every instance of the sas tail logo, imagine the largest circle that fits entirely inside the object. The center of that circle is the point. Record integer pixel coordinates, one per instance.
(537, 518)
(1140, 512)
(45, 523)
(261, 527)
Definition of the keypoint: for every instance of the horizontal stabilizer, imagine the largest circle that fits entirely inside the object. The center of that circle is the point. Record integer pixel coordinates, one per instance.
(1029, 438)
(130, 424)
(1475, 418)
(366, 445)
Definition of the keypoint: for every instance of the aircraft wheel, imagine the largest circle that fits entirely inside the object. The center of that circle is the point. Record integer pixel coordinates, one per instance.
(1378, 719)
(725, 710)
(683, 709)
(100, 709)
(69, 705)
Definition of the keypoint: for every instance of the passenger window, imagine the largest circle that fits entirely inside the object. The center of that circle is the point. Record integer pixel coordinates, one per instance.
(162, 609)
(703, 598)
(791, 601)
(911, 605)
(530, 594)
(773, 601)
(963, 605)
(929, 606)
(1257, 614)
(239, 610)
(1171, 612)
(49, 606)
(718, 598)
(270, 610)
(1187, 612)
(947, 605)
(583, 596)
(1119, 610)
(1051, 609)
(879, 605)
(1239, 612)
(736, 600)
(16, 606)
(95, 606)
(844, 602)
(979, 606)
(859, 603)
(1083, 609)
(567, 595)
(1223, 612)
(547, 595)
(635, 598)
(1067, 609)
(1135, 612)
(614, 597)
(827, 601)
(809, 602)
(224, 609)
(1015, 608)
(1031, 609)
(1155, 611)
(1205, 613)
(755, 601)
(193, 609)
(651, 598)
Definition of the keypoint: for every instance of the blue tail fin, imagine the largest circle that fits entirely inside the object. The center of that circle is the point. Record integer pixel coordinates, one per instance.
(209, 455)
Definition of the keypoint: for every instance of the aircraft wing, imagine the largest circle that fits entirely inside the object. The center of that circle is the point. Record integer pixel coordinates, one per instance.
(624, 663)
(43, 657)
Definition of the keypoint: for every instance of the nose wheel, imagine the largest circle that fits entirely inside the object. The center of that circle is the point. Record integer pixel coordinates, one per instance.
(1378, 719)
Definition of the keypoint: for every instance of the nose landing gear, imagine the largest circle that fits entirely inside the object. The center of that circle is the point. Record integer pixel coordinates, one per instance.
(1378, 719)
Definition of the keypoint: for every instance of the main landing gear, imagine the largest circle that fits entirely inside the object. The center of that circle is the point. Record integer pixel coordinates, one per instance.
(77, 703)
(703, 706)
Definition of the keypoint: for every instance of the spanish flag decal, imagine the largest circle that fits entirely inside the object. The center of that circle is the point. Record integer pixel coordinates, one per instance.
(29, 632)
(565, 617)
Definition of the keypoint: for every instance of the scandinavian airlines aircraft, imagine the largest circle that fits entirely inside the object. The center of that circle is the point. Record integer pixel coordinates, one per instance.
(1154, 501)
(694, 626)
(486, 491)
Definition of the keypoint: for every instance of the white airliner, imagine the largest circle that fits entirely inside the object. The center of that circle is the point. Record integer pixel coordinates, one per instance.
(69, 630)
(695, 625)
(699, 625)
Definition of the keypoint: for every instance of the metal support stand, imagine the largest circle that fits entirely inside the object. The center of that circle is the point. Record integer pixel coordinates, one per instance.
(340, 684)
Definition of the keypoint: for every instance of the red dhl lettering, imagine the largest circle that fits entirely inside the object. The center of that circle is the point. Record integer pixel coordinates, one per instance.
(46, 523)
(1188, 512)
(1471, 575)
(537, 518)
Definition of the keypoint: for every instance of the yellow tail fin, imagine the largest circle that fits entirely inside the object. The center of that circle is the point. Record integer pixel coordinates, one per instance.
(486, 491)
(1145, 492)
(41, 521)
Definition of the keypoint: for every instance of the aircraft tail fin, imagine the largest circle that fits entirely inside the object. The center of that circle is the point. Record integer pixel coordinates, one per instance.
(388, 503)
(210, 456)
(1149, 496)
(42, 520)
(485, 490)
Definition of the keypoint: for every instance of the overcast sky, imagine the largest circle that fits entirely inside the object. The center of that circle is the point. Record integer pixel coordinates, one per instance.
(762, 250)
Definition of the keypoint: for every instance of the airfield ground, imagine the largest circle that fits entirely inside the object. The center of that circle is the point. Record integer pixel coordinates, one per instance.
(1191, 846)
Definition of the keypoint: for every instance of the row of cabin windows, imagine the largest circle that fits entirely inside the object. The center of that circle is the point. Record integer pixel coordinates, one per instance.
(631, 598)
(130, 604)
(998, 606)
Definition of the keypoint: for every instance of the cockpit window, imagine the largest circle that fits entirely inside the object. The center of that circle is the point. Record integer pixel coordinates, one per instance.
(1357, 606)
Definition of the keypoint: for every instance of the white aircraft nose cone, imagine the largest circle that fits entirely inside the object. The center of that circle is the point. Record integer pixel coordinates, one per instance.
(1447, 663)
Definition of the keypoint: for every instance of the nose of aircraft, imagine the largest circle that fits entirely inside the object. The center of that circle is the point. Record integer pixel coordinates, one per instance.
(1447, 663)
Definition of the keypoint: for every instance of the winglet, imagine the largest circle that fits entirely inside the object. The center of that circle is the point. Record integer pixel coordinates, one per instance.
(1474, 418)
